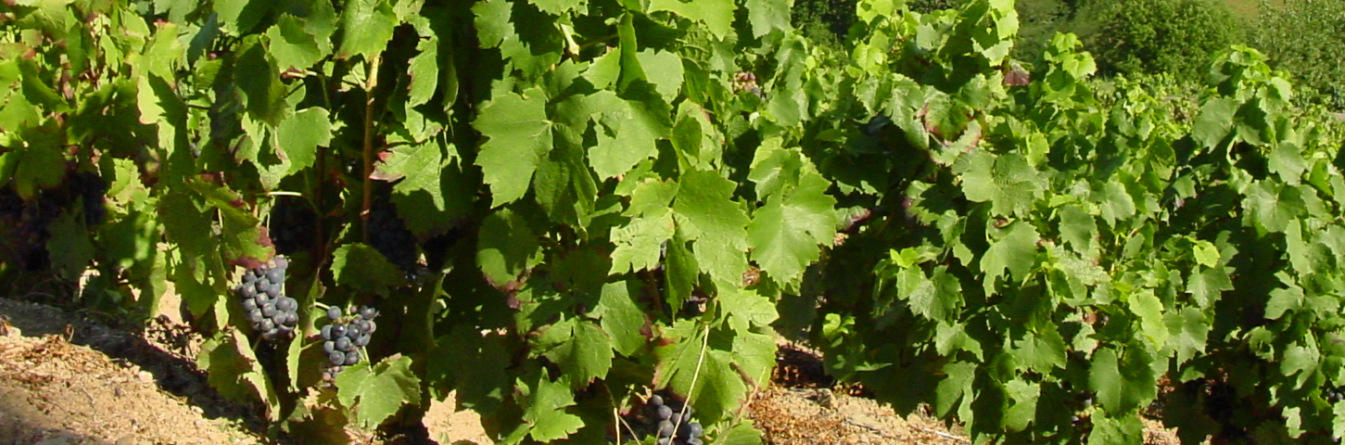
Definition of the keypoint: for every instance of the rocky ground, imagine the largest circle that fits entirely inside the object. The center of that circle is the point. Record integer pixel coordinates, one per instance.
(66, 378)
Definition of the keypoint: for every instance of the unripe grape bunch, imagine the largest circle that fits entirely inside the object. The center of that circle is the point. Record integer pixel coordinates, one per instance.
(343, 337)
(262, 294)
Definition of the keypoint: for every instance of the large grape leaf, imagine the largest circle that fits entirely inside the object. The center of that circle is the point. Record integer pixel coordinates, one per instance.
(1274, 206)
(581, 349)
(639, 243)
(788, 232)
(1190, 330)
(621, 318)
(376, 392)
(704, 208)
(1007, 182)
(1015, 251)
(520, 135)
(627, 135)
(1214, 121)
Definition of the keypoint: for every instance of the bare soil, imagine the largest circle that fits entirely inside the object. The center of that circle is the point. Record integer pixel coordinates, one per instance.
(68, 379)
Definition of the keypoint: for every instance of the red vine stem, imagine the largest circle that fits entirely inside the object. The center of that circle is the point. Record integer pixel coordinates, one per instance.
(370, 83)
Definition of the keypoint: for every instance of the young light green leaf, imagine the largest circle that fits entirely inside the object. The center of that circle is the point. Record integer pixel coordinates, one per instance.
(376, 392)
(520, 135)
(1150, 310)
(1205, 253)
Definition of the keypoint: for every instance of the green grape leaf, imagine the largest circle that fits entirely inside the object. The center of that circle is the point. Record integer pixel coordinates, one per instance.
(507, 247)
(1115, 202)
(683, 356)
(298, 137)
(626, 137)
(70, 247)
(558, 7)
(704, 208)
(664, 70)
(545, 409)
(1015, 251)
(1150, 310)
(717, 15)
(240, 16)
(292, 45)
(33, 167)
(621, 318)
(1043, 350)
(1107, 430)
(258, 78)
(1273, 206)
(1205, 253)
(787, 233)
(769, 15)
(1207, 284)
(1124, 383)
(376, 392)
(366, 27)
(1284, 299)
(1215, 121)
(424, 72)
(1078, 228)
(1189, 330)
(580, 348)
(519, 136)
(493, 24)
(1007, 181)
(1024, 410)
(234, 371)
(639, 243)
(362, 267)
(1286, 160)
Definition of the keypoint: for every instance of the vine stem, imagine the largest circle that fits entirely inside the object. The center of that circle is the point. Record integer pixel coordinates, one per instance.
(695, 376)
(370, 82)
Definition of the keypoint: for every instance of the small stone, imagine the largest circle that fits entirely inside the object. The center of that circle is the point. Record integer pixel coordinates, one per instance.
(144, 377)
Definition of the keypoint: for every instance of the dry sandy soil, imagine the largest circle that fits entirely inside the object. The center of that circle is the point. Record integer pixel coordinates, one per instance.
(66, 379)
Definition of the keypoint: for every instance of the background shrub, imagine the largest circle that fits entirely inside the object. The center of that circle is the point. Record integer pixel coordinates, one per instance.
(1307, 39)
(1157, 36)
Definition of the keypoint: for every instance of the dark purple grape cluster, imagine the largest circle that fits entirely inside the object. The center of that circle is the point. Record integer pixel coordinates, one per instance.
(262, 293)
(389, 235)
(33, 224)
(668, 420)
(343, 337)
(293, 226)
(93, 189)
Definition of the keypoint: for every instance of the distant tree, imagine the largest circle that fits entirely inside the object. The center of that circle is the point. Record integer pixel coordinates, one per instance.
(1177, 37)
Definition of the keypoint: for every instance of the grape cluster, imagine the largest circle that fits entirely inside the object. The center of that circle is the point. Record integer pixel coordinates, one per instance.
(1333, 395)
(92, 188)
(389, 235)
(343, 337)
(669, 420)
(263, 298)
(293, 226)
